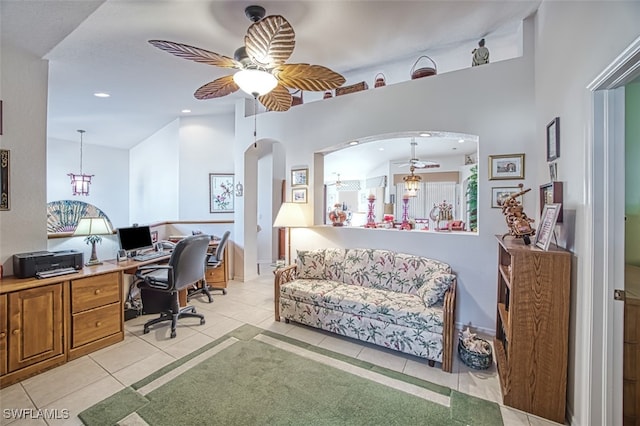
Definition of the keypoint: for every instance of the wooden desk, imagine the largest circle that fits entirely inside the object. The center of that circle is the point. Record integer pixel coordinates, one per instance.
(45, 323)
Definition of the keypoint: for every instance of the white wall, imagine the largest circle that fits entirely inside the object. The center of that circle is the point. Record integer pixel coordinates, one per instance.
(23, 90)
(109, 189)
(570, 53)
(153, 170)
(494, 101)
(206, 146)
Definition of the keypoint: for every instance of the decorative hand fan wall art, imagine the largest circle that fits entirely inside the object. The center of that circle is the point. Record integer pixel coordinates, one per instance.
(268, 44)
(414, 161)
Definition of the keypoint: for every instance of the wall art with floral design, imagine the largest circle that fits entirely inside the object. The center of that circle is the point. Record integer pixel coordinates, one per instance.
(221, 195)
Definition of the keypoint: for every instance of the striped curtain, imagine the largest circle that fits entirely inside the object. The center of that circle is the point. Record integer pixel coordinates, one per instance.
(430, 193)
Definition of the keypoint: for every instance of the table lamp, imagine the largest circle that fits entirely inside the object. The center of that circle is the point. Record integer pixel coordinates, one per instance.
(290, 215)
(93, 227)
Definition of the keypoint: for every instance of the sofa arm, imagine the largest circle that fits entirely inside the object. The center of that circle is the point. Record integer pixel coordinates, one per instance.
(283, 275)
(449, 320)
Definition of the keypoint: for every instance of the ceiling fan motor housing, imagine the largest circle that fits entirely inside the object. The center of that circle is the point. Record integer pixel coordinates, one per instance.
(255, 13)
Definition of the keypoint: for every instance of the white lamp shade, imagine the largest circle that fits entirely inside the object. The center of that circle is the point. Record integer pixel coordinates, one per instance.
(255, 82)
(291, 215)
(93, 226)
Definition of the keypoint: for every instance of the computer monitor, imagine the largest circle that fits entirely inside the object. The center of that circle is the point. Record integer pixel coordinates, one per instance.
(135, 238)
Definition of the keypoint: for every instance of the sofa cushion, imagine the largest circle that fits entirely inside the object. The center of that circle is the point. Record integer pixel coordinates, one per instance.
(433, 290)
(308, 290)
(411, 272)
(310, 264)
(368, 267)
(387, 306)
(334, 264)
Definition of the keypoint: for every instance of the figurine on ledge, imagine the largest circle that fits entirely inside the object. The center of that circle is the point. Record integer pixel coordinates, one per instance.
(337, 216)
(517, 221)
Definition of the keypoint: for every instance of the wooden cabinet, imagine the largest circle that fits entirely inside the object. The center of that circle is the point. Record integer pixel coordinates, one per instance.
(217, 278)
(45, 323)
(531, 343)
(97, 311)
(3, 334)
(35, 339)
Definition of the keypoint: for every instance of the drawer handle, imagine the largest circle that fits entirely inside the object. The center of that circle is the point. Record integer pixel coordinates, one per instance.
(98, 323)
(16, 332)
(3, 335)
(97, 291)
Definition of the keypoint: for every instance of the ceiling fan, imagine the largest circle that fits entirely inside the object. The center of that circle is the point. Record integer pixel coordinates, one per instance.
(414, 161)
(262, 71)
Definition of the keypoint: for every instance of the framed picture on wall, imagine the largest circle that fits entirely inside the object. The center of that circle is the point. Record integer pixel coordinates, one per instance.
(500, 194)
(506, 166)
(553, 139)
(299, 177)
(221, 195)
(299, 195)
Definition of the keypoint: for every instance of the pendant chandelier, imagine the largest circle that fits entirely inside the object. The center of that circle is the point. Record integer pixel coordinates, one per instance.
(412, 183)
(80, 182)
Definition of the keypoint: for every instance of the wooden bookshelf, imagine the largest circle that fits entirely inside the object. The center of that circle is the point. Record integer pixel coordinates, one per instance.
(532, 330)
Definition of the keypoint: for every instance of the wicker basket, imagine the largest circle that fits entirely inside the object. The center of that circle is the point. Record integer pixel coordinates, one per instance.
(426, 71)
(474, 359)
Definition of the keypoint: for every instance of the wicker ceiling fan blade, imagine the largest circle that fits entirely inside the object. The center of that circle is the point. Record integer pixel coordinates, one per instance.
(279, 99)
(217, 88)
(195, 54)
(270, 41)
(314, 78)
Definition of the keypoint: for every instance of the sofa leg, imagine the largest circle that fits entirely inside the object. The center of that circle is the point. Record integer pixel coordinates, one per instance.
(432, 363)
(286, 320)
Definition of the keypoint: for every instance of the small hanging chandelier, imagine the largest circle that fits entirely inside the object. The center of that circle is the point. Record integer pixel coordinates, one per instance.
(80, 183)
(412, 183)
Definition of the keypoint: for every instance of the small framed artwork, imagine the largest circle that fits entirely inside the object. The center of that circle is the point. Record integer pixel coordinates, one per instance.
(553, 139)
(507, 166)
(299, 177)
(553, 171)
(500, 194)
(551, 193)
(4, 179)
(299, 195)
(221, 195)
(547, 225)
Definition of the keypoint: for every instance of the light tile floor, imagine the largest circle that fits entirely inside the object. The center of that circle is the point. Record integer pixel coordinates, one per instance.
(69, 389)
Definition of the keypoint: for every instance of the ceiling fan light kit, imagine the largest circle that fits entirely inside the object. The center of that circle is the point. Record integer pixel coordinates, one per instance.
(262, 71)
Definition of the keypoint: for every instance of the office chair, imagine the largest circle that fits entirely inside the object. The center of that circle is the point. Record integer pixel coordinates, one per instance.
(214, 261)
(185, 267)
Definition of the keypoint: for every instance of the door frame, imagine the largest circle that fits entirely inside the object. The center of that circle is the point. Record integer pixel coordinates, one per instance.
(604, 268)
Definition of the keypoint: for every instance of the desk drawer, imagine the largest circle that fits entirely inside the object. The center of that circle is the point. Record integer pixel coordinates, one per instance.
(95, 324)
(92, 292)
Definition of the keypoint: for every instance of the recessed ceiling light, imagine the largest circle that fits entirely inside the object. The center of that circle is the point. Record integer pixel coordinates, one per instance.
(380, 149)
(186, 111)
(425, 135)
(352, 143)
(101, 95)
(460, 140)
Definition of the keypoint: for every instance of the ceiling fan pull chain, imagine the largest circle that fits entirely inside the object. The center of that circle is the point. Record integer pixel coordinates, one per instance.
(255, 121)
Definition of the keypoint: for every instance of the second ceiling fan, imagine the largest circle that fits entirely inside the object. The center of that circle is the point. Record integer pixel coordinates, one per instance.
(262, 71)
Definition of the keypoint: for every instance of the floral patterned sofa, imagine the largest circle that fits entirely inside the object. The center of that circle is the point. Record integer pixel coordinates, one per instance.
(396, 300)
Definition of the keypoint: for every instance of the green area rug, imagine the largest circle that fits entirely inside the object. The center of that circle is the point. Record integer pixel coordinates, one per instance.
(250, 382)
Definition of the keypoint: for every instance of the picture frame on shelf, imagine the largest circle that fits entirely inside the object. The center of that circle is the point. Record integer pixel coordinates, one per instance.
(506, 166)
(299, 195)
(551, 193)
(553, 171)
(499, 195)
(300, 177)
(553, 139)
(221, 193)
(547, 225)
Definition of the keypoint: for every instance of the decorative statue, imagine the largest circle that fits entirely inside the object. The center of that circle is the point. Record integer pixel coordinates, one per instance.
(441, 214)
(337, 216)
(517, 221)
(480, 54)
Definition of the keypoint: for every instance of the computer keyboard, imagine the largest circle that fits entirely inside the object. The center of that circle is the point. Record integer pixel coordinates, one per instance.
(150, 255)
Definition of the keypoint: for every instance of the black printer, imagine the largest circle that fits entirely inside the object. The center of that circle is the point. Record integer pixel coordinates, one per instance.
(26, 265)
